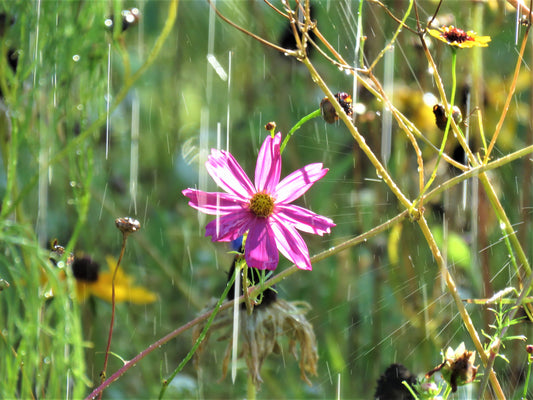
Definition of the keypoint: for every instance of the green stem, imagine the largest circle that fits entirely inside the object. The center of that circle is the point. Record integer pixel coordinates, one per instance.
(202, 336)
(249, 303)
(308, 117)
(250, 388)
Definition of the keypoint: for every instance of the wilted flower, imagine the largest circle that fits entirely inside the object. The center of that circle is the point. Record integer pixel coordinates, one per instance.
(458, 367)
(458, 38)
(263, 210)
(259, 334)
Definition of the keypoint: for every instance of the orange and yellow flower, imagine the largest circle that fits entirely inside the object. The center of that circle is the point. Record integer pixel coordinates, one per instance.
(456, 37)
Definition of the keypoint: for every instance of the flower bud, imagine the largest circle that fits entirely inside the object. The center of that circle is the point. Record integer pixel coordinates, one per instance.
(271, 126)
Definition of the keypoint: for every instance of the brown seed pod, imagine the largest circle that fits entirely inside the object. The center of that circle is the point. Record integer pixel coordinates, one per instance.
(127, 225)
(328, 111)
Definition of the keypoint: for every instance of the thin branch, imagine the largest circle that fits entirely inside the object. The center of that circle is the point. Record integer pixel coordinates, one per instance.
(398, 20)
(276, 9)
(253, 35)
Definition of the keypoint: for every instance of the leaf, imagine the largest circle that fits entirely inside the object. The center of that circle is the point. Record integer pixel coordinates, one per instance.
(458, 249)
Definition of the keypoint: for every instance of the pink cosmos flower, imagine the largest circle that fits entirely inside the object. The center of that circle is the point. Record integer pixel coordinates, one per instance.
(263, 210)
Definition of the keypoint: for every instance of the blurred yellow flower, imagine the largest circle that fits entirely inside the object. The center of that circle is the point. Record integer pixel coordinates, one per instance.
(457, 37)
(92, 282)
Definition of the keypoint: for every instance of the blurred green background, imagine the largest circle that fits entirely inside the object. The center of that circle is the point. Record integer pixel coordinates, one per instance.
(68, 170)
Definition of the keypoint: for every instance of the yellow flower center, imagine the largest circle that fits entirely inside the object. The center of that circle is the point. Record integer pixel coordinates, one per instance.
(262, 204)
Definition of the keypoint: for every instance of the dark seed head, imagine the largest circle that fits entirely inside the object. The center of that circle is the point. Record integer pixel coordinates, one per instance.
(85, 269)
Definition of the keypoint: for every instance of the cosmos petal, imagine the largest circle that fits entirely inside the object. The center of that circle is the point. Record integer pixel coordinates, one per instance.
(304, 219)
(268, 167)
(213, 203)
(297, 183)
(260, 249)
(291, 244)
(228, 227)
(229, 175)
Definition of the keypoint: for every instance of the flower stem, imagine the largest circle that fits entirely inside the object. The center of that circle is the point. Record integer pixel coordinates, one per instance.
(249, 303)
(113, 303)
(250, 388)
(308, 117)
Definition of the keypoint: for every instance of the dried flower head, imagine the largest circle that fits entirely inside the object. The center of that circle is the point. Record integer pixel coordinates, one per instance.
(270, 126)
(458, 367)
(458, 38)
(259, 335)
(127, 225)
(441, 117)
(328, 111)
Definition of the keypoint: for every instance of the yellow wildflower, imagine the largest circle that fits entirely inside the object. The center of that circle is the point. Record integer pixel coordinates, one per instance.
(457, 37)
(98, 283)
